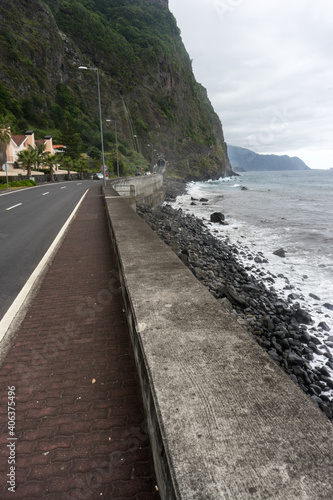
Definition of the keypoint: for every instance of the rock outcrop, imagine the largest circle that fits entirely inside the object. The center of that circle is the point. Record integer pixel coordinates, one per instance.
(146, 80)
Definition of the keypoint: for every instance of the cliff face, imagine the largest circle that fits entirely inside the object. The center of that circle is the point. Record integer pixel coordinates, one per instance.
(146, 80)
(243, 159)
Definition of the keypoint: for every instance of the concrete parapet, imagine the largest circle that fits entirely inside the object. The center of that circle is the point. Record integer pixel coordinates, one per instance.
(147, 189)
(226, 423)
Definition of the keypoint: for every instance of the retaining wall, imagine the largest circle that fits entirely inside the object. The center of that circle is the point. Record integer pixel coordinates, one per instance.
(147, 189)
(225, 422)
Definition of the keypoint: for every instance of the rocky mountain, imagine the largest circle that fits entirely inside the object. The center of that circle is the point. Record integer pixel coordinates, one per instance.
(146, 82)
(243, 159)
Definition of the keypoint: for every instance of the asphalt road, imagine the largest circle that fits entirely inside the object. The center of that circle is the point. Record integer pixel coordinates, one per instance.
(30, 221)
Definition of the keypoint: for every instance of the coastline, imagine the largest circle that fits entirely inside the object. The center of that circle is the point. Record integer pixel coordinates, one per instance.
(280, 327)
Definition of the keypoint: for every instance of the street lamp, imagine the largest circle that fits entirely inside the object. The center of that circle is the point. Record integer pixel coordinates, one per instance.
(100, 115)
(115, 129)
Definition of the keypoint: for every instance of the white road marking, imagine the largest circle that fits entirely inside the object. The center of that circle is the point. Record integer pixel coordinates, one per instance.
(44, 194)
(63, 187)
(79, 183)
(14, 206)
(18, 303)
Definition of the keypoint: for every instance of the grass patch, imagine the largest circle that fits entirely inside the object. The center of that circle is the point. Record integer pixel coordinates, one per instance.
(18, 184)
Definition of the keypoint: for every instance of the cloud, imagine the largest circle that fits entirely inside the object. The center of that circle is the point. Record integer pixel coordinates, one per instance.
(267, 67)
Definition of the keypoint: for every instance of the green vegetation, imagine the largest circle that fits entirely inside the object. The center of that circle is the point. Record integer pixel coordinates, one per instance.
(18, 184)
(146, 82)
(27, 159)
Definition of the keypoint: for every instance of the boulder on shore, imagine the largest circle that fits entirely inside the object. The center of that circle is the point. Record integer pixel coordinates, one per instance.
(280, 252)
(217, 217)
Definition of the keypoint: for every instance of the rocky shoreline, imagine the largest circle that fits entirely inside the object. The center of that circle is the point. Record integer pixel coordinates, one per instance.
(174, 187)
(280, 327)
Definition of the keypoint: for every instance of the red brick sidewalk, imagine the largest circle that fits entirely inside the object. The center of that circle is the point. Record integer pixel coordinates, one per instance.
(80, 425)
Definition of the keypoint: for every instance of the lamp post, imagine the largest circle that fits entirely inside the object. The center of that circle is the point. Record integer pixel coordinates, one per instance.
(100, 115)
(115, 129)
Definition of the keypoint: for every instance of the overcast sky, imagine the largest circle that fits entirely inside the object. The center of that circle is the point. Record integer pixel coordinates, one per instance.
(268, 68)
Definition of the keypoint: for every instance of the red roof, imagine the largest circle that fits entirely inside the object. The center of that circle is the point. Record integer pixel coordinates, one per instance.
(19, 139)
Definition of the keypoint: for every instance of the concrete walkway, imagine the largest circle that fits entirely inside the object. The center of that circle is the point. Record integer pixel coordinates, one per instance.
(80, 428)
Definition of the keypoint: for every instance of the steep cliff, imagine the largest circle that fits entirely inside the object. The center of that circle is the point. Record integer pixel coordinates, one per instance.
(146, 81)
(245, 159)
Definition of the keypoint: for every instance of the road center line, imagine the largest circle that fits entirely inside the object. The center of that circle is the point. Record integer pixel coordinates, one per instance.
(63, 187)
(44, 194)
(14, 206)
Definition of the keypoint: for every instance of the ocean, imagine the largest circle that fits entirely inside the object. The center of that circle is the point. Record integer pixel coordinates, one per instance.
(266, 211)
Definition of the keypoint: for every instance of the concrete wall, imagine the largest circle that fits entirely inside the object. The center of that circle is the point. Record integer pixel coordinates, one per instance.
(225, 422)
(146, 189)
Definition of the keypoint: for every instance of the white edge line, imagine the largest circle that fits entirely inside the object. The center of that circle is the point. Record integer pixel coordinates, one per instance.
(10, 315)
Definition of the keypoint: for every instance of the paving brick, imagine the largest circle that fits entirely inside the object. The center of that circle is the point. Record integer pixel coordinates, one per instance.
(74, 428)
(35, 489)
(91, 438)
(24, 447)
(54, 421)
(66, 454)
(36, 434)
(42, 412)
(80, 419)
(27, 461)
(109, 423)
(128, 489)
(52, 444)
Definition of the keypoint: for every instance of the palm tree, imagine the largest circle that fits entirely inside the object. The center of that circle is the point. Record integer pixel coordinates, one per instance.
(80, 164)
(4, 139)
(40, 154)
(67, 163)
(51, 161)
(27, 158)
(4, 133)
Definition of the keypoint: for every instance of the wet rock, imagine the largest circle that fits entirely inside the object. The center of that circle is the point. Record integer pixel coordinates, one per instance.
(226, 304)
(315, 389)
(268, 323)
(316, 399)
(280, 252)
(294, 359)
(274, 355)
(315, 340)
(217, 217)
(324, 371)
(234, 297)
(324, 326)
(293, 296)
(252, 289)
(300, 372)
(303, 316)
(315, 297)
(305, 337)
